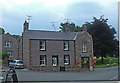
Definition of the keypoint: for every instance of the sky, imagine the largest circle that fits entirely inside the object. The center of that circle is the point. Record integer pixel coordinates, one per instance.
(13, 13)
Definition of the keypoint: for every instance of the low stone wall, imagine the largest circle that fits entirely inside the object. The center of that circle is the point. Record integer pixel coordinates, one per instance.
(57, 68)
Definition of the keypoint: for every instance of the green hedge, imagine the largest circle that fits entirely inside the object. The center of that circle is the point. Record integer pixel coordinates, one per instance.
(106, 60)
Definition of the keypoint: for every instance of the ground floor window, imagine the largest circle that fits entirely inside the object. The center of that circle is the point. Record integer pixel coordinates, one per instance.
(66, 59)
(10, 54)
(54, 60)
(42, 60)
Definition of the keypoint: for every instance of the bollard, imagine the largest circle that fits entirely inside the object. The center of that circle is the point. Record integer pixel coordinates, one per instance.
(11, 76)
(14, 76)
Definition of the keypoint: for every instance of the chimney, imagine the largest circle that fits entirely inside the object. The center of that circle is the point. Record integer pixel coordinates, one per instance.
(85, 28)
(26, 25)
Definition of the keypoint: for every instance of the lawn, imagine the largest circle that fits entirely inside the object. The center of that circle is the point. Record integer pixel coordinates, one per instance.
(108, 62)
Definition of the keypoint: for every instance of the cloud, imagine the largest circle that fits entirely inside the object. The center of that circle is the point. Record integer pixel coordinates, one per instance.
(45, 11)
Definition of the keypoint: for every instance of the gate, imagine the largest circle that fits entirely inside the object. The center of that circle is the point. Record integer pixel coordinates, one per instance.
(85, 62)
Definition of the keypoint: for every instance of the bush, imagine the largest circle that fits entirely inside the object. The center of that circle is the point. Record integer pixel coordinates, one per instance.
(108, 60)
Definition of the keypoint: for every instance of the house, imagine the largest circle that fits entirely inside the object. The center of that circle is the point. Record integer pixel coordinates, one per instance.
(10, 44)
(53, 48)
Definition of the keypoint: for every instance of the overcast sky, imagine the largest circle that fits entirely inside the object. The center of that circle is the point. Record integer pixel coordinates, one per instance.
(43, 12)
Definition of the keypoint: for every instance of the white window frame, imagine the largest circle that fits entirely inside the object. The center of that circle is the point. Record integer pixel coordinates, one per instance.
(66, 59)
(66, 45)
(10, 54)
(43, 60)
(42, 45)
(7, 44)
(84, 47)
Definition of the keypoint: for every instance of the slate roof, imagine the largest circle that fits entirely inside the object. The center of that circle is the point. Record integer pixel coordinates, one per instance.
(52, 35)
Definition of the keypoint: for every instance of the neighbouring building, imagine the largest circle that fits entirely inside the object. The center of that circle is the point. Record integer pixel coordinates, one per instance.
(53, 48)
(10, 44)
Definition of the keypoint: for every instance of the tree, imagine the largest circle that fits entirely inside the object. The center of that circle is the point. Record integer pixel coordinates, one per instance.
(2, 31)
(17, 36)
(72, 26)
(4, 56)
(104, 41)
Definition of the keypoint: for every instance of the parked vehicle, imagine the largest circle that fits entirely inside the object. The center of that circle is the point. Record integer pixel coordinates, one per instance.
(16, 64)
(10, 62)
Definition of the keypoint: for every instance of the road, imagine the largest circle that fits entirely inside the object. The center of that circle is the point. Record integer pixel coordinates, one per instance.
(100, 74)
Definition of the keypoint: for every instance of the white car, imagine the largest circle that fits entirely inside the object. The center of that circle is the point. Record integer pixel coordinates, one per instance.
(16, 64)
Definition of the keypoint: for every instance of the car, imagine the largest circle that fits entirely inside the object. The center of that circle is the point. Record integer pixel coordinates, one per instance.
(16, 64)
(10, 62)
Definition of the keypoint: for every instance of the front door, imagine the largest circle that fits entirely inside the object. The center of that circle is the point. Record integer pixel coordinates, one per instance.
(54, 60)
(85, 62)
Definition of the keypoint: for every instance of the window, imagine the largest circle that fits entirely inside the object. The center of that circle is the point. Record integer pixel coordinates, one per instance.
(84, 47)
(66, 59)
(42, 60)
(10, 54)
(66, 45)
(55, 60)
(7, 44)
(42, 45)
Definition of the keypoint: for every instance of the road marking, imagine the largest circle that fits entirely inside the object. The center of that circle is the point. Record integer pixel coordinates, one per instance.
(114, 78)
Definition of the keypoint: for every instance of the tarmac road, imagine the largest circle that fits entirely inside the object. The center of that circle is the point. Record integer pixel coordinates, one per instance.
(100, 74)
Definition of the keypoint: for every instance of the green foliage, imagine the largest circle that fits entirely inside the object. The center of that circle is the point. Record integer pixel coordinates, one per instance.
(35, 66)
(105, 65)
(3, 55)
(108, 60)
(104, 42)
(2, 31)
(1, 62)
(72, 26)
(17, 36)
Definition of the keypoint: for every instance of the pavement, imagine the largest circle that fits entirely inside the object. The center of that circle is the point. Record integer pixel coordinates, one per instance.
(100, 74)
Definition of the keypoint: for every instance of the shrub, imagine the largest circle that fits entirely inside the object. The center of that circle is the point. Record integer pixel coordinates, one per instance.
(108, 60)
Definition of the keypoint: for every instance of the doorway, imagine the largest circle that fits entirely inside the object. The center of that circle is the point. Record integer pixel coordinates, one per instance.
(85, 62)
(55, 60)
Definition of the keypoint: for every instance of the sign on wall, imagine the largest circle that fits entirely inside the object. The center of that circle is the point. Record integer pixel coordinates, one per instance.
(85, 55)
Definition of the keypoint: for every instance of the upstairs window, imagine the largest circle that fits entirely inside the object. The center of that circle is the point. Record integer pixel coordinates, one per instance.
(66, 59)
(42, 44)
(84, 47)
(10, 54)
(7, 44)
(42, 60)
(66, 45)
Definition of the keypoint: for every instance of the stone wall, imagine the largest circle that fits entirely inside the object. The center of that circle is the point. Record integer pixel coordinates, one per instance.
(57, 69)
(53, 48)
(87, 38)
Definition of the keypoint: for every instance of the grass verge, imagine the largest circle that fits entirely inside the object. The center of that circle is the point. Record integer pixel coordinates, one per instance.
(105, 65)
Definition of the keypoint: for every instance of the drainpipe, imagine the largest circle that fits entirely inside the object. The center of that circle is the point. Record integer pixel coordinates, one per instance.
(74, 53)
(22, 47)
